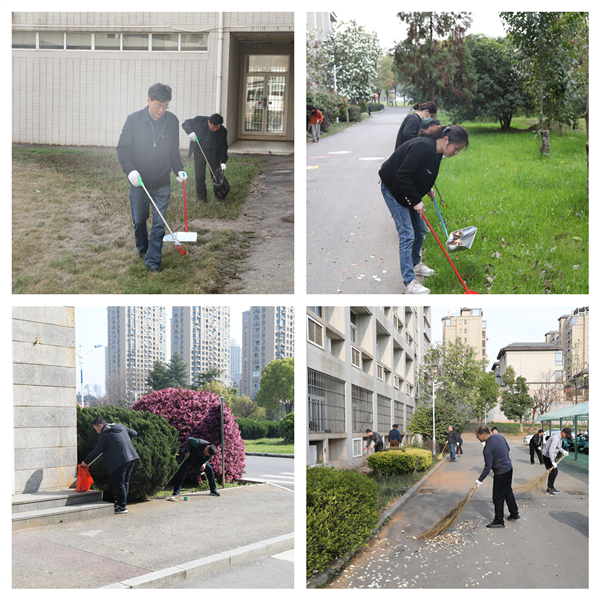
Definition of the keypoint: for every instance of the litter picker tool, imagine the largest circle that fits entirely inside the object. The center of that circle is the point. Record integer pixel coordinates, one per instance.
(459, 239)
(467, 290)
(183, 236)
(178, 244)
(220, 186)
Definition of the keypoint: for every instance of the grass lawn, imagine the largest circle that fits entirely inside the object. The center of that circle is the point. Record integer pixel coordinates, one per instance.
(271, 445)
(531, 212)
(72, 230)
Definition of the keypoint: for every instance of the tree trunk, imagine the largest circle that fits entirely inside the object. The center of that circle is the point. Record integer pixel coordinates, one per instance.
(545, 147)
(560, 129)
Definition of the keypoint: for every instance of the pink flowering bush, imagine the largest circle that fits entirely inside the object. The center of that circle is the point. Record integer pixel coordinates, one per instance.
(198, 415)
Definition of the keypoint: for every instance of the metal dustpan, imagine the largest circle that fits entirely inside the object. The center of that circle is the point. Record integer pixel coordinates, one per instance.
(182, 236)
(461, 239)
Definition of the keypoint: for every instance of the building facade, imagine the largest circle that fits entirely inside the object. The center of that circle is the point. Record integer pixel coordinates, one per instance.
(201, 336)
(362, 374)
(268, 335)
(96, 67)
(236, 365)
(470, 327)
(137, 338)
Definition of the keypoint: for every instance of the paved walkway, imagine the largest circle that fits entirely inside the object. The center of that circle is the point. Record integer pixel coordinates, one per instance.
(158, 542)
(546, 548)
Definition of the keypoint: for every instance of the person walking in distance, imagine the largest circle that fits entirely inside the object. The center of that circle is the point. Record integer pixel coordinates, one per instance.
(395, 436)
(452, 440)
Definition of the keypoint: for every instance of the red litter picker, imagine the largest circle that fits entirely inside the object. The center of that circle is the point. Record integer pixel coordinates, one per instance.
(467, 290)
(183, 236)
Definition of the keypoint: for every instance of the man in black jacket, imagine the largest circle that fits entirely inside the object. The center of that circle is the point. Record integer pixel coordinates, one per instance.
(376, 439)
(212, 136)
(149, 149)
(535, 445)
(197, 452)
(114, 442)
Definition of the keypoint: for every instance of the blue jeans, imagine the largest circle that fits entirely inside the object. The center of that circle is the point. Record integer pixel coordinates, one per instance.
(140, 211)
(452, 451)
(208, 471)
(411, 230)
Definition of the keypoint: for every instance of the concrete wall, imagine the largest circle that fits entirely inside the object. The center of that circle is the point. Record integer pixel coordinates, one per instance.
(44, 398)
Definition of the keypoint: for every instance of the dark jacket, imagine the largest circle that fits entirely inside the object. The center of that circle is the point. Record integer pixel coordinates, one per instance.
(199, 125)
(375, 438)
(496, 456)
(114, 442)
(535, 441)
(394, 434)
(138, 151)
(410, 172)
(196, 449)
(409, 129)
(452, 437)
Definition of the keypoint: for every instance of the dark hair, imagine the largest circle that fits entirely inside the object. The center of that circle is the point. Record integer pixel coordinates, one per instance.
(395, 425)
(483, 429)
(456, 133)
(160, 92)
(98, 421)
(216, 119)
(430, 106)
(494, 429)
(540, 431)
(212, 449)
(368, 431)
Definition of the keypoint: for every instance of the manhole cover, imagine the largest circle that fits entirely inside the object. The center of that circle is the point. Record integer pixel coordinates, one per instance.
(426, 491)
(576, 493)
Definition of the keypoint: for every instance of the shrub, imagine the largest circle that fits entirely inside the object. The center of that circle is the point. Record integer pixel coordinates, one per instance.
(325, 100)
(397, 462)
(198, 415)
(252, 430)
(341, 512)
(354, 113)
(156, 444)
(286, 427)
(272, 428)
(376, 106)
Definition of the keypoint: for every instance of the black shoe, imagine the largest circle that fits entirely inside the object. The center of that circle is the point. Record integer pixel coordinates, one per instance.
(142, 254)
(495, 525)
(550, 492)
(214, 493)
(154, 269)
(121, 510)
(513, 517)
(556, 491)
(202, 199)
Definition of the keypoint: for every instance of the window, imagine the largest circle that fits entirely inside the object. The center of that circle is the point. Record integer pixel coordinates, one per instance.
(357, 447)
(355, 357)
(558, 358)
(380, 372)
(107, 41)
(162, 42)
(397, 382)
(79, 41)
(135, 41)
(315, 333)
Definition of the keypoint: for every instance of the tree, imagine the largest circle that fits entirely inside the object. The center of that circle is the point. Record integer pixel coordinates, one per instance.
(178, 371)
(286, 428)
(386, 76)
(516, 401)
(487, 399)
(201, 379)
(545, 392)
(355, 52)
(245, 408)
(422, 421)
(548, 59)
(277, 385)
(498, 85)
(116, 390)
(158, 377)
(432, 56)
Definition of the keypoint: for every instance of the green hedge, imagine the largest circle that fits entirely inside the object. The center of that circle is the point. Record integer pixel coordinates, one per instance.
(286, 428)
(252, 430)
(376, 106)
(397, 462)
(156, 443)
(272, 428)
(341, 512)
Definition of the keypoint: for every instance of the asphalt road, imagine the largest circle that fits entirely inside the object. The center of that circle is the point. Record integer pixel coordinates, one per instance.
(548, 547)
(279, 471)
(352, 243)
(272, 572)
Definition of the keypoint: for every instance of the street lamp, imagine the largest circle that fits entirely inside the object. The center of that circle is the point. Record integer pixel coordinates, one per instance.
(81, 355)
(433, 386)
(335, 70)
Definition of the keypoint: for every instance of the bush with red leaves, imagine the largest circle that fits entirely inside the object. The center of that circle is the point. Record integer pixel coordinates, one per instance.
(198, 415)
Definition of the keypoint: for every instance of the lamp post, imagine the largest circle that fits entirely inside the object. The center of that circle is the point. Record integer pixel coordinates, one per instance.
(81, 355)
(222, 444)
(433, 386)
(335, 70)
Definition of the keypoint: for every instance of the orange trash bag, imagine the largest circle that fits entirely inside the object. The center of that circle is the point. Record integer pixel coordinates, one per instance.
(84, 479)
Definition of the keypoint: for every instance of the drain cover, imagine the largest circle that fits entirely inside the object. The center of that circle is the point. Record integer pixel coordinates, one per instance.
(426, 491)
(576, 493)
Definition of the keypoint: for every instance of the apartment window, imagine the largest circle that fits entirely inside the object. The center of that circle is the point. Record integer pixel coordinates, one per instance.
(135, 41)
(397, 382)
(357, 447)
(448, 322)
(164, 42)
(315, 333)
(355, 357)
(558, 375)
(107, 41)
(379, 371)
(79, 41)
(558, 358)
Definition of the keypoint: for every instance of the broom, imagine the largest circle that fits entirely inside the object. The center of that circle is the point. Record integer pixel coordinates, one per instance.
(534, 483)
(449, 518)
(441, 454)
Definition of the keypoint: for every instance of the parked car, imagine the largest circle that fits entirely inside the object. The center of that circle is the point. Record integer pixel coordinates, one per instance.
(547, 434)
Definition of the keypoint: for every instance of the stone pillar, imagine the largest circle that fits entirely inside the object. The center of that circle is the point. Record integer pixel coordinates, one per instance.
(44, 398)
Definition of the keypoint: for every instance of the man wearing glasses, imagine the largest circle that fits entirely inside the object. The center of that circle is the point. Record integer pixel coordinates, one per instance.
(149, 148)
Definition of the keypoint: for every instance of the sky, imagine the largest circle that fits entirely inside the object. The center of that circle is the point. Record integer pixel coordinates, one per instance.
(385, 22)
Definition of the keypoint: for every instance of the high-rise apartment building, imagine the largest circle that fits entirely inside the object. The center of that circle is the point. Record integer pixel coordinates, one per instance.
(268, 335)
(201, 336)
(236, 364)
(573, 336)
(136, 339)
(362, 373)
(470, 327)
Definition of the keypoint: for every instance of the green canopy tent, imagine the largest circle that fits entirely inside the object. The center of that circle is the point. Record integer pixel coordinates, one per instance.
(576, 415)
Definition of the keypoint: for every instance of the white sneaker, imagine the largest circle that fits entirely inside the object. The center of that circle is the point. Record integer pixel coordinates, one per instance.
(423, 270)
(414, 287)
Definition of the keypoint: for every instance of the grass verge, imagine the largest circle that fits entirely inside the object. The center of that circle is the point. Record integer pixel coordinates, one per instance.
(271, 445)
(72, 230)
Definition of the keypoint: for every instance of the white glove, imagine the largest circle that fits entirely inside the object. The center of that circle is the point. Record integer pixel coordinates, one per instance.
(554, 465)
(479, 483)
(133, 178)
(565, 452)
(223, 167)
(192, 136)
(181, 176)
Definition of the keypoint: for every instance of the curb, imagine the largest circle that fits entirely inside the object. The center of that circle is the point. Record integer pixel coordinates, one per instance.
(269, 454)
(321, 578)
(206, 565)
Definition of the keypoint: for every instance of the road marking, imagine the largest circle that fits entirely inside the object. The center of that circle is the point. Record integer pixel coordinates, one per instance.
(328, 156)
(342, 152)
(312, 167)
(372, 158)
(287, 555)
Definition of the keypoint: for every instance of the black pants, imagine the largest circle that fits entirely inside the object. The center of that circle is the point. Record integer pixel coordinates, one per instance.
(121, 478)
(181, 473)
(501, 492)
(200, 170)
(379, 447)
(553, 474)
(532, 451)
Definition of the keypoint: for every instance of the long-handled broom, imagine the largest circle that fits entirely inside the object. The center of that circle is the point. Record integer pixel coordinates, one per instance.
(449, 518)
(441, 454)
(535, 483)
